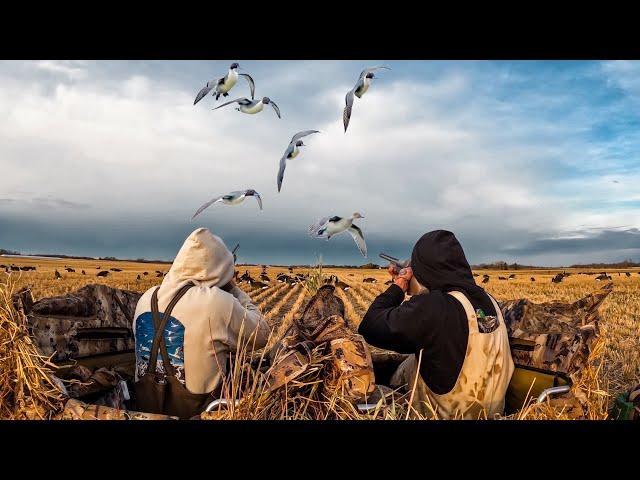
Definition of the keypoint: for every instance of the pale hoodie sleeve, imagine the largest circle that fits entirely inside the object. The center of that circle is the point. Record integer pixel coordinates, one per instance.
(245, 311)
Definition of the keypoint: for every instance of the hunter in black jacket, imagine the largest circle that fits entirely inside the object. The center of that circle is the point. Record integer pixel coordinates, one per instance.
(433, 322)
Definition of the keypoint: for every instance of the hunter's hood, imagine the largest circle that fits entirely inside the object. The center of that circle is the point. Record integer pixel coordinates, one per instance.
(203, 258)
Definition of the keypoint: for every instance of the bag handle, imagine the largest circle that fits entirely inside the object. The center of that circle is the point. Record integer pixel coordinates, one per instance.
(158, 338)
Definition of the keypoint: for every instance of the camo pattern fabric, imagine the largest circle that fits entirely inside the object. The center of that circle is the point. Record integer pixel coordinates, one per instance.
(553, 336)
(323, 323)
(77, 410)
(99, 382)
(93, 320)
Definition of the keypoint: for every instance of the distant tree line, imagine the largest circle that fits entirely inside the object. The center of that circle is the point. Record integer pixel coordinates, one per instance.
(624, 264)
(502, 265)
(77, 257)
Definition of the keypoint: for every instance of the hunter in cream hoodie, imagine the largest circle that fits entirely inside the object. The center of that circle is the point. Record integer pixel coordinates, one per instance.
(207, 323)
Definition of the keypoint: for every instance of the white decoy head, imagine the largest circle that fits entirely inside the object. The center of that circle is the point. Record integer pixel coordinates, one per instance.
(357, 215)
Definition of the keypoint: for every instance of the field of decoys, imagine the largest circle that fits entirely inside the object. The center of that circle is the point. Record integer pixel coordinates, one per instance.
(282, 291)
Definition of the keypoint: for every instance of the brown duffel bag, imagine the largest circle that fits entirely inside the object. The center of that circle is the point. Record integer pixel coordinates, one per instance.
(161, 392)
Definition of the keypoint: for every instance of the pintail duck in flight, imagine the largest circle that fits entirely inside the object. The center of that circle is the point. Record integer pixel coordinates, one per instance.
(233, 198)
(361, 87)
(252, 106)
(330, 226)
(292, 151)
(222, 85)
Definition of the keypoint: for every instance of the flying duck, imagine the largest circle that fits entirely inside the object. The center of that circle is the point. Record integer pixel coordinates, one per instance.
(330, 226)
(222, 85)
(252, 106)
(292, 151)
(233, 198)
(361, 87)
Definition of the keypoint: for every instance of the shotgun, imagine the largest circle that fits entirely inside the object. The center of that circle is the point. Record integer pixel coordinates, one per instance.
(414, 286)
(234, 252)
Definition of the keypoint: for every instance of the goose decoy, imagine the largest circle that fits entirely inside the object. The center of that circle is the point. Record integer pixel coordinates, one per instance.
(342, 285)
(83, 272)
(533, 279)
(485, 279)
(260, 285)
(222, 85)
(292, 151)
(232, 198)
(627, 274)
(558, 278)
(512, 276)
(70, 270)
(252, 106)
(361, 87)
(57, 274)
(330, 226)
(282, 278)
(369, 280)
(103, 273)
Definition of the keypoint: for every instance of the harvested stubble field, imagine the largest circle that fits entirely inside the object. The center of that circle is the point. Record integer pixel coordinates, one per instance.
(618, 368)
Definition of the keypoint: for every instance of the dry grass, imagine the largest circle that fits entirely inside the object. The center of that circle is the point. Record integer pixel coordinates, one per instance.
(27, 389)
(614, 365)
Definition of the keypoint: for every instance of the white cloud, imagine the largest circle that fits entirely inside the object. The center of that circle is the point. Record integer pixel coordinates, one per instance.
(72, 69)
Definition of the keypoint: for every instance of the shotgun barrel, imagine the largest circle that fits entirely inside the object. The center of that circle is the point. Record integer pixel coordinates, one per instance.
(414, 287)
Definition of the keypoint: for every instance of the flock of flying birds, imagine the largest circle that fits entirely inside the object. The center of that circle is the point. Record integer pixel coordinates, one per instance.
(325, 227)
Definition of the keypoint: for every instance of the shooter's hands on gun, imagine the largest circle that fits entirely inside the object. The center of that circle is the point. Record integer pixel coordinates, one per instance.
(402, 278)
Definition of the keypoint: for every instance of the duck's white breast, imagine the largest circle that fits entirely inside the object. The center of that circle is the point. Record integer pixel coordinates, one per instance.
(232, 78)
(255, 109)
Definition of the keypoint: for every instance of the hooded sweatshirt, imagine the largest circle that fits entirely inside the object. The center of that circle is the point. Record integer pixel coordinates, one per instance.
(433, 322)
(208, 323)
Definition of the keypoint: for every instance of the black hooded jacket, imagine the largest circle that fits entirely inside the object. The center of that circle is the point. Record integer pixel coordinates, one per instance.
(434, 322)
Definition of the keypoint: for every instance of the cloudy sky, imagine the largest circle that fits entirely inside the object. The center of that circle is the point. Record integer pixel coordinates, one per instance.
(535, 162)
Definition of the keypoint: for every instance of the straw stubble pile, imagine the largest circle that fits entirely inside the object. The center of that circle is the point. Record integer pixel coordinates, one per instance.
(27, 388)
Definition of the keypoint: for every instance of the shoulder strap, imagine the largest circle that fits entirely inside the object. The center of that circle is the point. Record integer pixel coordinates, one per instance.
(497, 307)
(160, 324)
(468, 308)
